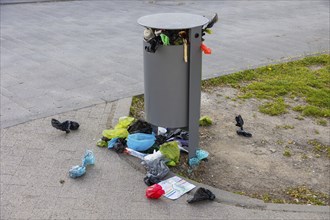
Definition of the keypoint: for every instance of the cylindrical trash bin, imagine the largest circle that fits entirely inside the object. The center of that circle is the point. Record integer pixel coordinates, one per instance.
(166, 87)
(172, 73)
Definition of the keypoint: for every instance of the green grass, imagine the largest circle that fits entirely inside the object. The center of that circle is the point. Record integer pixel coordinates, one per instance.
(319, 148)
(322, 122)
(275, 107)
(287, 153)
(137, 106)
(285, 127)
(292, 79)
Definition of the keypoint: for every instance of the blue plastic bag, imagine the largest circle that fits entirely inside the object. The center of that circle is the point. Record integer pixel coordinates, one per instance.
(112, 142)
(200, 155)
(88, 159)
(140, 141)
(77, 171)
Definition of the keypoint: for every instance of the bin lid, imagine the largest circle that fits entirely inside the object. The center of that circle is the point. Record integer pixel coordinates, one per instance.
(172, 21)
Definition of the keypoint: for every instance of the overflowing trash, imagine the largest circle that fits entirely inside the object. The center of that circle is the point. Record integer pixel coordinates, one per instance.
(154, 38)
(156, 152)
(80, 170)
(202, 194)
(66, 126)
(240, 123)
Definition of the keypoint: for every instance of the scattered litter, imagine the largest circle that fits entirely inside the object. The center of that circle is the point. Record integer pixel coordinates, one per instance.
(205, 49)
(112, 142)
(78, 171)
(88, 159)
(154, 192)
(202, 194)
(205, 121)
(240, 123)
(120, 145)
(154, 156)
(140, 141)
(200, 155)
(115, 133)
(140, 126)
(124, 122)
(171, 151)
(156, 170)
(62, 181)
(175, 187)
(103, 142)
(135, 153)
(161, 131)
(65, 126)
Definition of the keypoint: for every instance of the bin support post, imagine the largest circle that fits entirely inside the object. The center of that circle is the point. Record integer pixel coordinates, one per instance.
(195, 76)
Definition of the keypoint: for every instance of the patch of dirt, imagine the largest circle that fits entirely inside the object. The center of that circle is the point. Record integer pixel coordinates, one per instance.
(257, 165)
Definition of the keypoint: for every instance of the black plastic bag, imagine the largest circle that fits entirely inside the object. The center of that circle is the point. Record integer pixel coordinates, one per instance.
(140, 126)
(202, 194)
(65, 126)
(178, 133)
(240, 123)
(120, 145)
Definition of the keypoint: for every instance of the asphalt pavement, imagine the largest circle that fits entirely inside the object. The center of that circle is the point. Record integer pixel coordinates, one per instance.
(59, 56)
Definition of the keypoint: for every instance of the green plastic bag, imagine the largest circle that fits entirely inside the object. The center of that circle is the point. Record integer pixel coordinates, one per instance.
(171, 151)
(115, 133)
(124, 122)
(205, 121)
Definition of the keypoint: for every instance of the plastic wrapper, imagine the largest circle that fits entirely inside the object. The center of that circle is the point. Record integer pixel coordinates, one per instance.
(135, 153)
(140, 141)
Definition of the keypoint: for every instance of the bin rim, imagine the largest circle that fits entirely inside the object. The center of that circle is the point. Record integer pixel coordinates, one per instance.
(172, 21)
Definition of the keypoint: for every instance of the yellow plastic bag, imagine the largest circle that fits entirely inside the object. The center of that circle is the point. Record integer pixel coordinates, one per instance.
(115, 133)
(124, 122)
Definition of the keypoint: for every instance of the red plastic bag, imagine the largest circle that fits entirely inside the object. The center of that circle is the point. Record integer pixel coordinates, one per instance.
(154, 192)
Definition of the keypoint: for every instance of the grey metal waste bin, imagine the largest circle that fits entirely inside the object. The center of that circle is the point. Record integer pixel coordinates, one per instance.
(171, 84)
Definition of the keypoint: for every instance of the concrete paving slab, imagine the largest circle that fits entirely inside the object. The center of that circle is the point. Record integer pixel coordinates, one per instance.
(79, 53)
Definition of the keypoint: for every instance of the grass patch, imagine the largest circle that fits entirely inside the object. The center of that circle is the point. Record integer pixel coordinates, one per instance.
(287, 153)
(137, 106)
(292, 195)
(319, 148)
(276, 107)
(292, 79)
(285, 127)
(304, 195)
(322, 122)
